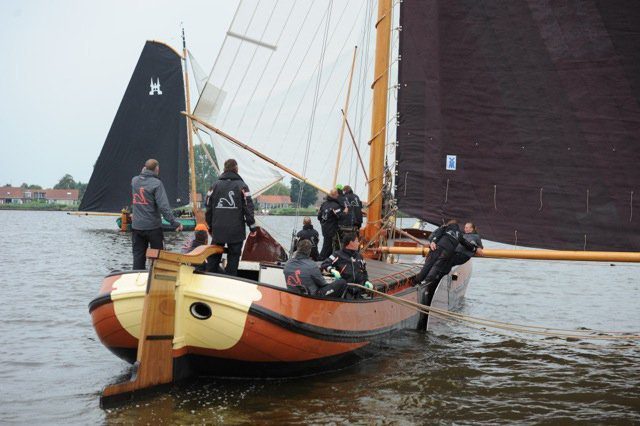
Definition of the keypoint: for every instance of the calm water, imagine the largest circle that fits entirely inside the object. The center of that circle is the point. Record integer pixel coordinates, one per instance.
(53, 368)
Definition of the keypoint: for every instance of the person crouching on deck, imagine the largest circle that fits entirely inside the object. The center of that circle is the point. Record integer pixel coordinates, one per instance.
(200, 238)
(348, 264)
(303, 276)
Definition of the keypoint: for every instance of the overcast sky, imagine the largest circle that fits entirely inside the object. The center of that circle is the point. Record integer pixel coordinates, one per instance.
(65, 66)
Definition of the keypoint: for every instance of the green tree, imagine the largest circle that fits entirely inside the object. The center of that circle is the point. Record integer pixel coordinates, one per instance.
(309, 193)
(66, 182)
(30, 186)
(205, 173)
(82, 187)
(278, 189)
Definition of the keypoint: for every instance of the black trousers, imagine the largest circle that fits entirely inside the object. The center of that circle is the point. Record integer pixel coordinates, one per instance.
(441, 266)
(234, 250)
(457, 259)
(327, 243)
(335, 289)
(141, 240)
(429, 261)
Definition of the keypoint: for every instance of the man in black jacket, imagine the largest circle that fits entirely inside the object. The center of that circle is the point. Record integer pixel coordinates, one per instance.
(149, 202)
(444, 241)
(230, 206)
(308, 233)
(353, 219)
(329, 214)
(303, 275)
(348, 264)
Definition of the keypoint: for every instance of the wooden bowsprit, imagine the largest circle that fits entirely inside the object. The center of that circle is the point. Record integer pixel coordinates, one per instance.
(154, 362)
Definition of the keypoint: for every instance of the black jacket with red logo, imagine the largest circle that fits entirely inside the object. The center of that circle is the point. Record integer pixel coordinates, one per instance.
(303, 275)
(149, 201)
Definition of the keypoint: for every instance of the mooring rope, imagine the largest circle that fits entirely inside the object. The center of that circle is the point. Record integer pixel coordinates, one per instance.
(481, 323)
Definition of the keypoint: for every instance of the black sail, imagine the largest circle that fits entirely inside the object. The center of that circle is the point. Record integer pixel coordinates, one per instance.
(148, 124)
(538, 103)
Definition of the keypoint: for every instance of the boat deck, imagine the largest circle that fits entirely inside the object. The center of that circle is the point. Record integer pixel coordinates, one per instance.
(385, 275)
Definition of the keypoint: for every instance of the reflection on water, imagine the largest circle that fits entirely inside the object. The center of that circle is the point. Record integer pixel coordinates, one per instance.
(53, 367)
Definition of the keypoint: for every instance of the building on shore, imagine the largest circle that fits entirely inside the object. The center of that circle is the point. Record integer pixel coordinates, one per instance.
(15, 195)
(270, 202)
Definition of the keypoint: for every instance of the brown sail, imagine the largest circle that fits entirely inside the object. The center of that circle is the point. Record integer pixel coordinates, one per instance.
(524, 117)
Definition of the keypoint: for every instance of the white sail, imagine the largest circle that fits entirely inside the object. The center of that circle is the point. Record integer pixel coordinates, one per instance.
(282, 74)
(255, 173)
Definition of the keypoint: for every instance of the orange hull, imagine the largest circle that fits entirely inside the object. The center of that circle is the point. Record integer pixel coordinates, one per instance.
(280, 334)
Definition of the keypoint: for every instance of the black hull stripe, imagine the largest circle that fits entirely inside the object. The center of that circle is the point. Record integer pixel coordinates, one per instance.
(99, 301)
(329, 334)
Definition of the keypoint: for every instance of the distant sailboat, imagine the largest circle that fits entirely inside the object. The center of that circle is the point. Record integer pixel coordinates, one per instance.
(148, 124)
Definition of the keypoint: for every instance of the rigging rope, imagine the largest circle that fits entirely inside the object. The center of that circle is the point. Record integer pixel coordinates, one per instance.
(507, 326)
(313, 112)
(292, 119)
(315, 34)
(265, 67)
(275, 82)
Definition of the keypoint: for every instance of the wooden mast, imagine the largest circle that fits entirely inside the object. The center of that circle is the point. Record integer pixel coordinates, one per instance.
(379, 119)
(344, 117)
(192, 159)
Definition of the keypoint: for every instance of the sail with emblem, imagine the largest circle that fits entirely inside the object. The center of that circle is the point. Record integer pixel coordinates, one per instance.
(148, 124)
(523, 117)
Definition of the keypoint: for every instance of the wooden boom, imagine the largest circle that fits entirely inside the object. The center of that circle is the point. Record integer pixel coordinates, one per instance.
(255, 152)
(594, 256)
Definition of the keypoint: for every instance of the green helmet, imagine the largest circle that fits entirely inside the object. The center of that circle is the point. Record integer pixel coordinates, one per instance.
(339, 187)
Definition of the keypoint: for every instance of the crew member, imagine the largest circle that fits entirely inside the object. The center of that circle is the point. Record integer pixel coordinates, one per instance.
(348, 264)
(230, 207)
(443, 245)
(200, 238)
(330, 212)
(352, 202)
(303, 275)
(308, 233)
(149, 203)
(462, 255)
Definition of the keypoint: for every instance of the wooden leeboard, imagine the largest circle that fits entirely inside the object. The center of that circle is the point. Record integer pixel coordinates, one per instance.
(154, 365)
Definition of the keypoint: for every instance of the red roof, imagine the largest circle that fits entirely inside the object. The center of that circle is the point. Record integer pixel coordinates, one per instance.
(274, 199)
(11, 192)
(62, 194)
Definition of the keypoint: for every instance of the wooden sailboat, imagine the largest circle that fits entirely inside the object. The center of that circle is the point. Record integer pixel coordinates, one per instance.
(252, 325)
(147, 125)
